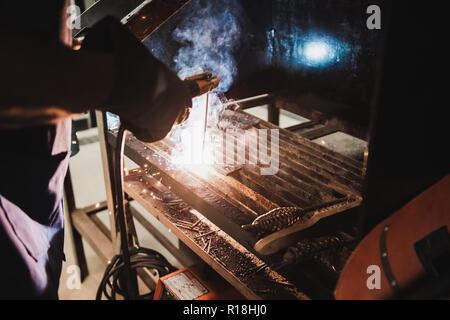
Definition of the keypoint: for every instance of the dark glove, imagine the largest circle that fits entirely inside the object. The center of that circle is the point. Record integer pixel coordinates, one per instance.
(148, 96)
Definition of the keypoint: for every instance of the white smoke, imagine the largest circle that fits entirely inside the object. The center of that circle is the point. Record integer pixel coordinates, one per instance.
(207, 36)
(210, 32)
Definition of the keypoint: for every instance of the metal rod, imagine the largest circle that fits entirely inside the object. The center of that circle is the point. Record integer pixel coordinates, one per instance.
(205, 234)
(262, 96)
(205, 124)
(195, 224)
(186, 227)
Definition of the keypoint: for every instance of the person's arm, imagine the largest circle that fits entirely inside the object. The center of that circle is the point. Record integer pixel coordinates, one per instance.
(113, 71)
(42, 82)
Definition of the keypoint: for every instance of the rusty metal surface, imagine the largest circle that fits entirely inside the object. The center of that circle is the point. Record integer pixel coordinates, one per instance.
(242, 269)
(309, 175)
(152, 15)
(193, 190)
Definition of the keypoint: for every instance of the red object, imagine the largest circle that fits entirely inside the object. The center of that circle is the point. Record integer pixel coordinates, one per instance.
(198, 282)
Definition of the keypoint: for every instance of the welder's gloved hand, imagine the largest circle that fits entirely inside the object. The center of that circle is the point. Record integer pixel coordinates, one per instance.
(148, 96)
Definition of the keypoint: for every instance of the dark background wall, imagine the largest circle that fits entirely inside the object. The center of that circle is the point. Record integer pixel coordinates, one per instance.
(269, 52)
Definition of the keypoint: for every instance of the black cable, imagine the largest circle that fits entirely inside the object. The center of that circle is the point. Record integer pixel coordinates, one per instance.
(139, 258)
(124, 245)
(123, 266)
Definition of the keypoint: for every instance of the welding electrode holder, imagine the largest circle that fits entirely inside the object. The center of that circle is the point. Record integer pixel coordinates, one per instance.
(201, 83)
(198, 85)
(148, 96)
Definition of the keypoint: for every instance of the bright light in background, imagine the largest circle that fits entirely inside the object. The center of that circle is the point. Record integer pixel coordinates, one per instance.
(318, 53)
(314, 50)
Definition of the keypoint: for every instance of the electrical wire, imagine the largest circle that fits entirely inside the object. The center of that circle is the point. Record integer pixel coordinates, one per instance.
(123, 266)
(110, 286)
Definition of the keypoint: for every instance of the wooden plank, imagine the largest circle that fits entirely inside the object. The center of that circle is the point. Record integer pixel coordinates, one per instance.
(101, 244)
(100, 225)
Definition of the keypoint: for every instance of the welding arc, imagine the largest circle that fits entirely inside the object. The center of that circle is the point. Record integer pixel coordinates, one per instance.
(122, 269)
